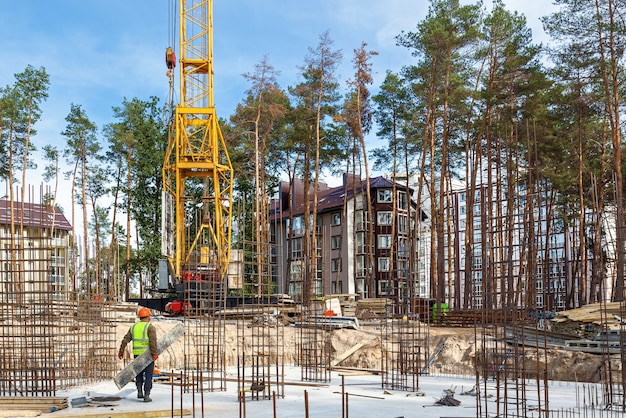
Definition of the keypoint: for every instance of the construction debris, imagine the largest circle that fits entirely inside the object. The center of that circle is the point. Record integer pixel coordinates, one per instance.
(448, 400)
(96, 401)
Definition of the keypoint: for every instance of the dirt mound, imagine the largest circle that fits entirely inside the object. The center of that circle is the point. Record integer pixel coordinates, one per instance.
(366, 349)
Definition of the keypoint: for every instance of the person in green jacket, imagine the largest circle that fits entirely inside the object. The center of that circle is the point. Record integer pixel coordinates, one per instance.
(143, 335)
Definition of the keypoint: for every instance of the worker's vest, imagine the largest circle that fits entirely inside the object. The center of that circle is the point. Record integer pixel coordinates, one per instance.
(141, 343)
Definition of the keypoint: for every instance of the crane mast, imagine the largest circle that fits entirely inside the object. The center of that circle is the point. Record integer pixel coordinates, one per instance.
(197, 172)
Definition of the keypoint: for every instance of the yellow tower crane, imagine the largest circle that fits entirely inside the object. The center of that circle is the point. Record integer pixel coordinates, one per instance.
(197, 226)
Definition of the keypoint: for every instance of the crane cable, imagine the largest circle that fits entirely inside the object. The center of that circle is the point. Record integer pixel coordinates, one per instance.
(170, 59)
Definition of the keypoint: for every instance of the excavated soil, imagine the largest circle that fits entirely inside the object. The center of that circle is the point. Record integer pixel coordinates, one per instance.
(458, 357)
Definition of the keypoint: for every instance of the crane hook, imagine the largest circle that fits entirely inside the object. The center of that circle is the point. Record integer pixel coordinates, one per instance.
(170, 61)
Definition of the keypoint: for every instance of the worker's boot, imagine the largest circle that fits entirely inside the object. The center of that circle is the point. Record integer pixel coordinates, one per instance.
(147, 398)
(139, 393)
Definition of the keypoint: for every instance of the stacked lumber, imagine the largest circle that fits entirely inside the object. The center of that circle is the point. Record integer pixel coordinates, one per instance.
(348, 308)
(589, 319)
(470, 318)
(372, 307)
(42, 404)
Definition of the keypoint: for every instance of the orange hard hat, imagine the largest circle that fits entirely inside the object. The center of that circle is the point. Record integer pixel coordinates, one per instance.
(143, 312)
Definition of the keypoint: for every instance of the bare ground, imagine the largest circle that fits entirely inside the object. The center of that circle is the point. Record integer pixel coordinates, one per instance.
(458, 357)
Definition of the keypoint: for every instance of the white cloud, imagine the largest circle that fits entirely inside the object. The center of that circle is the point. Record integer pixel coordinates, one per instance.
(97, 53)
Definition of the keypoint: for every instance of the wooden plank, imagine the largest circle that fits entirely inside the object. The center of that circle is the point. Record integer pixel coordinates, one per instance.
(37, 399)
(39, 406)
(42, 404)
(346, 354)
(348, 374)
(22, 413)
(361, 396)
(140, 414)
(372, 371)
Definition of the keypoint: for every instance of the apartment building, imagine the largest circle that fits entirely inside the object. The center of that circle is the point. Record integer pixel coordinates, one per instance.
(34, 249)
(355, 253)
(521, 252)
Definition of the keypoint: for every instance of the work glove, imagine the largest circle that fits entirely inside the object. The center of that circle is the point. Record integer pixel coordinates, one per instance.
(155, 357)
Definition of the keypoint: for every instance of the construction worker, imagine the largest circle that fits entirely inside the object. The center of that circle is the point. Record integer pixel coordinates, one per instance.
(143, 335)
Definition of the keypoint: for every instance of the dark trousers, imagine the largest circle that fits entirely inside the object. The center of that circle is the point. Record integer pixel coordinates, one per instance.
(144, 379)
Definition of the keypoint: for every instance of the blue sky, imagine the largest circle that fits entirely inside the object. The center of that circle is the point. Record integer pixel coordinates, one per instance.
(99, 52)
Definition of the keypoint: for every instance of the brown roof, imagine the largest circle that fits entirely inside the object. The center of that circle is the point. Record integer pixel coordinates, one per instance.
(329, 199)
(34, 215)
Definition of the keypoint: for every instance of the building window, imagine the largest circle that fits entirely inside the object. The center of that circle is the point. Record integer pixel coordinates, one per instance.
(403, 224)
(273, 254)
(403, 269)
(539, 300)
(360, 217)
(335, 219)
(295, 271)
(335, 242)
(317, 287)
(362, 268)
(298, 223)
(383, 287)
(383, 264)
(295, 288)
(384, 218)
(335, 265)
(360, 286)
(360, 243)
(296, 248)
(384, 241)
(384, 196)
(402, 201)
(477, 263)
(336, 287)
(403, 249)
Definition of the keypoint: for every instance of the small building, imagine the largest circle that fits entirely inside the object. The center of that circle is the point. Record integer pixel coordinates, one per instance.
(34, 251)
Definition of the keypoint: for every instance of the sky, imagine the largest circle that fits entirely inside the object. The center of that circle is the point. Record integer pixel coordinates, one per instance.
(99, 52)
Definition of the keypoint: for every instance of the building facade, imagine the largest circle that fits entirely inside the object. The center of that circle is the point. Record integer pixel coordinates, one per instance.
(34, 251)
(514, 252)
(366, 248)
